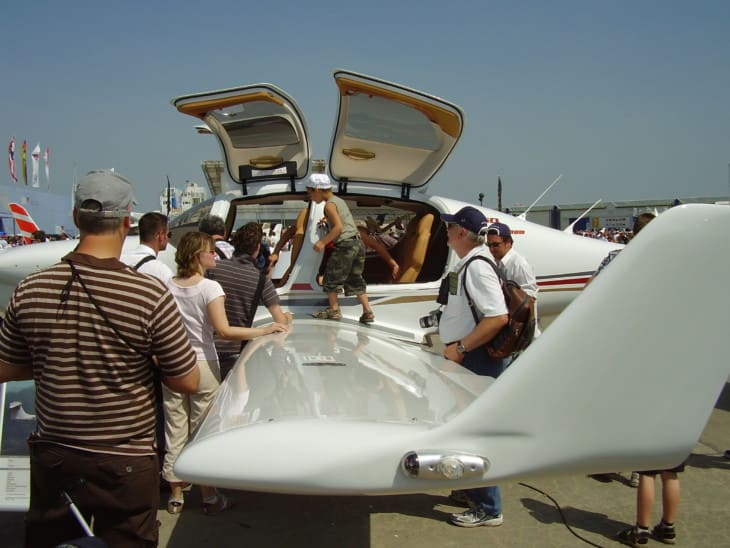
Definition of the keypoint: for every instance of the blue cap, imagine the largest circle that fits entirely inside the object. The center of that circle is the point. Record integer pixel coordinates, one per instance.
(468, 217)
(500, 229)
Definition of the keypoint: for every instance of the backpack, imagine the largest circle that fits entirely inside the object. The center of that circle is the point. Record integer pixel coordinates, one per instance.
(519, 331)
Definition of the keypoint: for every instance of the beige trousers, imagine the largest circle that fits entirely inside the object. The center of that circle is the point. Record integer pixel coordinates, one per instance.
(183, 413)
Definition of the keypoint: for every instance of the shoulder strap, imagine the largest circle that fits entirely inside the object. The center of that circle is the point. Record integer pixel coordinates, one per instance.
(143, 260)
(220, 253)
(463, 281)
(64, 296)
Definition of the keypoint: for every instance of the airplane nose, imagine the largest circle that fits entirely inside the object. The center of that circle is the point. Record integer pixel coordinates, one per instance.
(19, 262)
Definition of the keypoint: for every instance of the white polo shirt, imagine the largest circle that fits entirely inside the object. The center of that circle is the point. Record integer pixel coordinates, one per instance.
(484, 288)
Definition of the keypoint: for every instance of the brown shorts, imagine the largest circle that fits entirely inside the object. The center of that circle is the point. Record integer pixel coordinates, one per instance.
(122, 494)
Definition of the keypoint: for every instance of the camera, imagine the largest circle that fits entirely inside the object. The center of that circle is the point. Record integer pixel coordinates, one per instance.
(443, 296)
(432, 320)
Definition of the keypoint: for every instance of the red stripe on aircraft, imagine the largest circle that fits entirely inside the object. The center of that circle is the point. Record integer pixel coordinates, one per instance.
(301, 287)
(569, 281)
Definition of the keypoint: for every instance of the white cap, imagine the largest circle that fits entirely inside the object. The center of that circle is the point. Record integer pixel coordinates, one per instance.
(319, 180)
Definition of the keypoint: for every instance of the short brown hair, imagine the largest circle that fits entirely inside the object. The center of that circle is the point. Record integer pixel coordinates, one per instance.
(247, 238)
(90, 223)
(150, 224)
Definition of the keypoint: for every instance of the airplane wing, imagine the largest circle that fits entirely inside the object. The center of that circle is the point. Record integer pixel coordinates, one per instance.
(334, 408)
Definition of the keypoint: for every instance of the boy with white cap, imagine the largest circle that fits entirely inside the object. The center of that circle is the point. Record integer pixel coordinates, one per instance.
(345, 265)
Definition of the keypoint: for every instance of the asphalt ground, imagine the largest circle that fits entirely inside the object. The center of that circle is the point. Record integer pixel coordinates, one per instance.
(593, 510)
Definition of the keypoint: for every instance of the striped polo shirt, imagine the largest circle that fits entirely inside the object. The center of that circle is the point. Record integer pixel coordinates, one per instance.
(94, 390)
(239, 277)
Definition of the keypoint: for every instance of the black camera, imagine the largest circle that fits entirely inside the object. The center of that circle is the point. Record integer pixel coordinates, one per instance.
(432, 320)
(443, 296)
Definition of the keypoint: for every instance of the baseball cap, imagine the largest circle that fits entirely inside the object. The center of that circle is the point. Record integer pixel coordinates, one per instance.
(104, 194)
(319, 180)
(500, 229)
(468, 217)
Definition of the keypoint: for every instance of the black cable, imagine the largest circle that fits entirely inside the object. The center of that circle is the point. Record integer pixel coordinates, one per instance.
(562, 515)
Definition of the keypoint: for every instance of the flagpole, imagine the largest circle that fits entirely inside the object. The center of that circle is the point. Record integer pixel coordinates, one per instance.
(168, 196)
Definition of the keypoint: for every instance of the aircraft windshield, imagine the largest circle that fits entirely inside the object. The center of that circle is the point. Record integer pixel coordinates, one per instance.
(257, 124)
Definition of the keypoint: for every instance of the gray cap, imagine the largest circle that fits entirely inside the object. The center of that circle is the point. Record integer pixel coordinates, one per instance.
(104, 194)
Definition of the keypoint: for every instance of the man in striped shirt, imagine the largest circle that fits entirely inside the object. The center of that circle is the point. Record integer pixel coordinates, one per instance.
(239, 277)
(92, 333)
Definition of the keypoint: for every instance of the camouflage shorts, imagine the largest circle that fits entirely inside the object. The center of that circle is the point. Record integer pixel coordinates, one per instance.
(344, 268)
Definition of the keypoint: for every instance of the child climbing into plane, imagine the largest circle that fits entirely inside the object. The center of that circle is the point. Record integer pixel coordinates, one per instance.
(345, 265)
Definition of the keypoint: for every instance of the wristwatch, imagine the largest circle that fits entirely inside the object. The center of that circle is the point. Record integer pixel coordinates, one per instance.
(460, 348)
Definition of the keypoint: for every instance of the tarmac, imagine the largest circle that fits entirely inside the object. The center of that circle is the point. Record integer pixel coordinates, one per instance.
(566, 511)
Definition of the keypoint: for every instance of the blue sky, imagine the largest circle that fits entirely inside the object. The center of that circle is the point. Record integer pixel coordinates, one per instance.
(627, 99)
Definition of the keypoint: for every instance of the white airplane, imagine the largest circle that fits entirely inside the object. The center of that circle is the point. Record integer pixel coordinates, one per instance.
(338, 407)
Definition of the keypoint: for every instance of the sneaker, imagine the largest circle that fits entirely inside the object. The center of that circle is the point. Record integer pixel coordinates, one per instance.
(461, 498)
(220, 504)
(633, 536)
(634, 481)
(664, 533)
(475, 517)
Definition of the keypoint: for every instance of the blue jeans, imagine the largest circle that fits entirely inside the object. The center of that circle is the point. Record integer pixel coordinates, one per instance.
(478, 361)
(488, 499)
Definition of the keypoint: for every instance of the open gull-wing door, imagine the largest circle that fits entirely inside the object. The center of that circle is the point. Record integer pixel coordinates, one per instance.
(389, 134)
(261, 131)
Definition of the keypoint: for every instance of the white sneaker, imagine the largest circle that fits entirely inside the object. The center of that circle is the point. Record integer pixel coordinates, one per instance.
(474, 517)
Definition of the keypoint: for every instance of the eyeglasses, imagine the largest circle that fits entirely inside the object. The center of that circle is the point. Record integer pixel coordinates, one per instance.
(493, 244)
(211, 251)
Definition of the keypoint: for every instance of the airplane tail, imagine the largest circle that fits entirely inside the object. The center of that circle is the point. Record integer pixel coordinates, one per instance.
(25, 223)
(627, 376)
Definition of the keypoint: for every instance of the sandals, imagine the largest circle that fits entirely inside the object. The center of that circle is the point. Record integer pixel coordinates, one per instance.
(327, 314)
(367, 317)
(175, 506)
(334, 314)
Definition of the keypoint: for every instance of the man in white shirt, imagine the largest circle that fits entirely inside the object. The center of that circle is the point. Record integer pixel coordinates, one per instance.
(216, 227)
(153, 237)
(513, 265)
(464, 338)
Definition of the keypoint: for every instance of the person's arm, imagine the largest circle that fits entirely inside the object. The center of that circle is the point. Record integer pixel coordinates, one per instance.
(217, 315)
(380, 249)
(484, 332)
(285, 237)
(187, 384)
(9, 372)
(279, 315)
(335, 224)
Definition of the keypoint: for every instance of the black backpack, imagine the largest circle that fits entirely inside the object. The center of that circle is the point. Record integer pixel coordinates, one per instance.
(519, 331)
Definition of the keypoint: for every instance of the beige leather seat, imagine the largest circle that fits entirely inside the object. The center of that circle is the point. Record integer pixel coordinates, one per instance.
(410, 252)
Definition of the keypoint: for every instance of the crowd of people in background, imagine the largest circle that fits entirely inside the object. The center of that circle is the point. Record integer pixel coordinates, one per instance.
(616, 235)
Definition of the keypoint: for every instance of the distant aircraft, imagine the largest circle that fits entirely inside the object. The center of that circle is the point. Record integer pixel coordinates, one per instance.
(25, 223)
(338, 407)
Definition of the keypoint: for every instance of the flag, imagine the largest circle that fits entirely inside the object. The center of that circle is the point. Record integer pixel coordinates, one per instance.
(24, 157)
(36, 154)
(11, 159)
(46, 157)
(499, 193)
